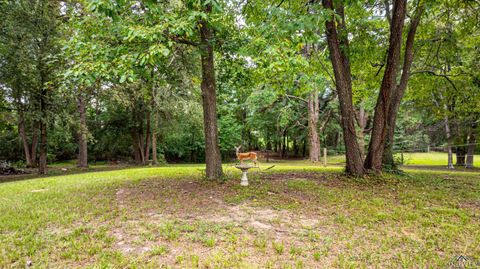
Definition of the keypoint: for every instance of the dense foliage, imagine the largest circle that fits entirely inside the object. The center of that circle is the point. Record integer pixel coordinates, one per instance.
(128, 80)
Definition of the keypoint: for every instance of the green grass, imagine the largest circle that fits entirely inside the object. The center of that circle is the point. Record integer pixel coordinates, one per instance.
(417, 158)
(432, 158)
(294, 215)
(420, 158)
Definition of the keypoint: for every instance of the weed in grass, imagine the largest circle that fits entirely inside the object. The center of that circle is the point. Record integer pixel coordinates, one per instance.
(299, 264)
(311, 235)
(296, 251)
(232, 238)
(317, 256)
(278, 247)
(269, 264)
(186, 228)
(169, 231)
(148, 236)
(159, 250)
(194, 261)
(209, 242)
(260, 243)
(179, 259)
(339, 218)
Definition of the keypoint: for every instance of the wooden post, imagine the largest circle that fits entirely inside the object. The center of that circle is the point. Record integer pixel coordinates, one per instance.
(428, 148)
(324, 156)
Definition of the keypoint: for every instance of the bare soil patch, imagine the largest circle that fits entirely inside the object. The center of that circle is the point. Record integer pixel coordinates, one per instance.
(255, 231)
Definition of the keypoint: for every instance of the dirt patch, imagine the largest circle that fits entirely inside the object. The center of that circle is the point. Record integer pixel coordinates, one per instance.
(329, 179)
(205, 225)
(472, 204)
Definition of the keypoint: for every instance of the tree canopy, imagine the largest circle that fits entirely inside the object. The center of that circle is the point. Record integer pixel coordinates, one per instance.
(189, 80)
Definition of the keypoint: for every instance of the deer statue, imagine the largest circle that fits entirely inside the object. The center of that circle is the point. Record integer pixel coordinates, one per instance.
(246, 156)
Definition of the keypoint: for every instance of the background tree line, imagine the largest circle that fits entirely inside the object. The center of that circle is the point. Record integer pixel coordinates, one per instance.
(156, 81)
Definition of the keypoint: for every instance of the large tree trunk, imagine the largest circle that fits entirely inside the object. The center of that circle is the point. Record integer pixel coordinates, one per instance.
(376, 147)
(343, 83)
(29, 151)
(137, 154)
(33, 146)
(148, 137)
(23, 136)
(449, 141)
(284, 144)
(154, 128)
(137, 136)
(141, 147)
(304, 147)
(152, 120)
(154, 148)
(314, 141)
(388, 159)
(82, 161)
(42, 165)
(212, 151)
(460, 151)
(362, 124)
(471, 146)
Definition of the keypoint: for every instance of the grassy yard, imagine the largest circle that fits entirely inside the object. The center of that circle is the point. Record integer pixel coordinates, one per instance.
(292, 216)
(432, 158)
(438, 159)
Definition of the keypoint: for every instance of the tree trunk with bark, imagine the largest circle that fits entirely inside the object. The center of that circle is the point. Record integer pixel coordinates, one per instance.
(304, 148)
(148, 138)
(399, 92)
(284, 144)
(82, 161)
(33, 146)
(29, 149)
(362, 125)
(337, 45)
(449, 145)
(212, 151)
(460, 151)
(137, 152)
(42, 165)
(314, 141)
(23, 136)
(154, 148)
(141, 148)
(471, 146)
(154, 128)
(376, 147)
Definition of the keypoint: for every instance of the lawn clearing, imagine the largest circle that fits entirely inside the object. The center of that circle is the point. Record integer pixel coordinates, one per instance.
(437, 160)
(292, 216)
(432, 158)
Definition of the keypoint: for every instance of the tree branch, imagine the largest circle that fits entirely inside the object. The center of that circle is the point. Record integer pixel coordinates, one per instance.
(296, 97)
(183, 41)
(387, 11)
(437, 75)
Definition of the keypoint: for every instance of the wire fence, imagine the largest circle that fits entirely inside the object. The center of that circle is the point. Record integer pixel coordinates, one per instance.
(403, 155)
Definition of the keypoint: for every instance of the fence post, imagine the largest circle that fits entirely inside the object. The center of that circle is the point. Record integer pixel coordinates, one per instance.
(324, 156)
(428, 148)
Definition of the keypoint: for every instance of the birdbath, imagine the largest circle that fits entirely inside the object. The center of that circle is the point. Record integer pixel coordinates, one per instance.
(244, 168)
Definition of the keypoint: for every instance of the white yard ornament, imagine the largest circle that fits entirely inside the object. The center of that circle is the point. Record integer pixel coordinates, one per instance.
(244, 168)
